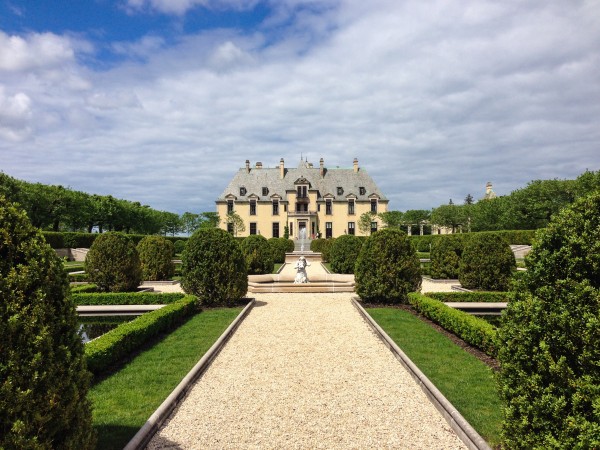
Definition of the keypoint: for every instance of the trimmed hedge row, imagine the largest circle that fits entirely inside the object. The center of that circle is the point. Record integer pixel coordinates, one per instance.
(322, 246)
(513, 237)
(487, 297)
(69, 239)
(119, 342)
(126, 298)
(79, 277)
(473, 330)
(84, 288)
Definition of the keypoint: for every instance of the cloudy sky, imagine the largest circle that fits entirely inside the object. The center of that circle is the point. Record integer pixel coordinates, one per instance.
(161, 101)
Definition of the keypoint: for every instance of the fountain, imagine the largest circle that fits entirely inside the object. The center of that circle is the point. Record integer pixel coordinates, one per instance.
(302, 239)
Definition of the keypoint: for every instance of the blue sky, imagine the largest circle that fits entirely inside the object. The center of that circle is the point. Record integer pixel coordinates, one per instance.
(161, 101)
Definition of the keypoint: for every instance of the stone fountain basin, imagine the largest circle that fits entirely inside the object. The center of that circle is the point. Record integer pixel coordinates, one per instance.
(285, 283)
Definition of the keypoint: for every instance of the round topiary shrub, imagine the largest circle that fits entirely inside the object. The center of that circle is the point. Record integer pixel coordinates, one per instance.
(487, 263)
(156, 256)
(322, 246)
(549, 352)
(344, 252)
(257, 251)
(43, 378)
(214, 268)
(445, 257)
(387, 268)
(279, 247)
(179, 246)
(113, 263)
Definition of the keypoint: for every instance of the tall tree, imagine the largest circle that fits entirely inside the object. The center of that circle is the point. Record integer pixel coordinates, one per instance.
(237, 223)
(451, 216)
(364, 222)
(392, 219)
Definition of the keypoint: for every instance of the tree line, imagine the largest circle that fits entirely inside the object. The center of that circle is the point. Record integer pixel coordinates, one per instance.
(528, 208)
(58, 208)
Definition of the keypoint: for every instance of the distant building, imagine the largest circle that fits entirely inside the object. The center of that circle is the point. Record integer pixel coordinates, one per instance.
(489, 192)
(321, 200)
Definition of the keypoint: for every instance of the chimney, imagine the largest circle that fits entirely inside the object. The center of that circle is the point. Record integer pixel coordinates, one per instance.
(281, 169)
(258, 165)
(488, 188)
(355, 165)
(247, 166)
(322, 167)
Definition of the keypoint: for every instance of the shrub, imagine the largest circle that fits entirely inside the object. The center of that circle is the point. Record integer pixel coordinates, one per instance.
(487, 263)
(344, 252)
(179, 246)
(484, 297)
(156, 257)
(471, 329)
(43, 378)
(279, 247)
(214, 267)
(387, 268)
(445, 257)
(125, 298)
(549, 353)
(113, 263)
(258, 254)
(322, 246)
(119, 342)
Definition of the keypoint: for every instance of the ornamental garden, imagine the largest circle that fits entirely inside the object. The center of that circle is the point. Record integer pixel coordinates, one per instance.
(540, 385)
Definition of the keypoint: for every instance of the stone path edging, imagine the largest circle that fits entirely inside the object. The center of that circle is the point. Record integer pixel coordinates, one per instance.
(459, 424)
(145, 434)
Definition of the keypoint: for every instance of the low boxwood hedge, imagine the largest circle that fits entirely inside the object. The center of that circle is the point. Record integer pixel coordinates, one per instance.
(110, 348)
(84, 288)
(472, 330)
(126, 298)
(79, 277)
(513, 237)
(487, 297)
(69, 239)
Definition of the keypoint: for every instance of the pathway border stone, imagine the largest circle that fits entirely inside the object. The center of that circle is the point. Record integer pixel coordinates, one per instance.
(459, 424)
(149, 429)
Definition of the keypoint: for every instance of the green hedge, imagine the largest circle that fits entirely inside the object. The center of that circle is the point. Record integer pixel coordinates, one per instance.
(472, 330)
(84, 288)
(74, 269)
(513, 237)
(110, 348)
(487, 297)
(126, 298)
(69, 239)
(79, 277)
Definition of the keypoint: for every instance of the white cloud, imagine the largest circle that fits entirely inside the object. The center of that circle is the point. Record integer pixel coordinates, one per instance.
(434, 99)
(34, 51)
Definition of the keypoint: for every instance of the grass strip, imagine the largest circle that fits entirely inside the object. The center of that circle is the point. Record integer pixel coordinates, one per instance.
(463, 379)
(124, 401)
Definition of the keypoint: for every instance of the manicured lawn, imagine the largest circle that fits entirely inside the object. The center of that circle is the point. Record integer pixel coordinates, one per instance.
(125, 400)
(465, 381)
(276, 267)
(327, 266)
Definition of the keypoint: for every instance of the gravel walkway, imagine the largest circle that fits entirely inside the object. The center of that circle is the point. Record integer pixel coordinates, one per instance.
(305, 371)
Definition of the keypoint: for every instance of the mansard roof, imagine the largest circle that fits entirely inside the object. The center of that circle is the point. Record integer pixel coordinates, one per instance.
(254, 179)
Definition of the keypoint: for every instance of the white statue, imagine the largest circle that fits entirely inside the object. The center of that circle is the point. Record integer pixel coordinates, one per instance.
(300, 267)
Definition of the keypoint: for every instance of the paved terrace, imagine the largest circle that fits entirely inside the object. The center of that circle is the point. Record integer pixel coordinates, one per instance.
(305, 371)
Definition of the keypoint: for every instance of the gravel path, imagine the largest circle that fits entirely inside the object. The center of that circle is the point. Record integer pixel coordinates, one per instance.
(305, 371)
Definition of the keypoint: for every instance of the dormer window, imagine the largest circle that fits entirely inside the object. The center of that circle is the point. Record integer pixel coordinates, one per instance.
(328, 207)
(373, 205)
(340, 190)
(302, 191)
(362, 190)
(242, 191)
(229, 206)
(350, 206)
(252, 207)
(265, 191)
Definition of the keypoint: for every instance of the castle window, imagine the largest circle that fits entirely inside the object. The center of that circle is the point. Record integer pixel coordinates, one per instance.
(242, 191)
(230, 227)
(265, 191)
(351, 228)
(340, 190)
(252, 207)
(362, 190)
(373, 205)
(328, 207)
(351, 206)
(275, 229)
(373, 227)
(275, 207)
(229, 206)
(252, 227)
(302, 192)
